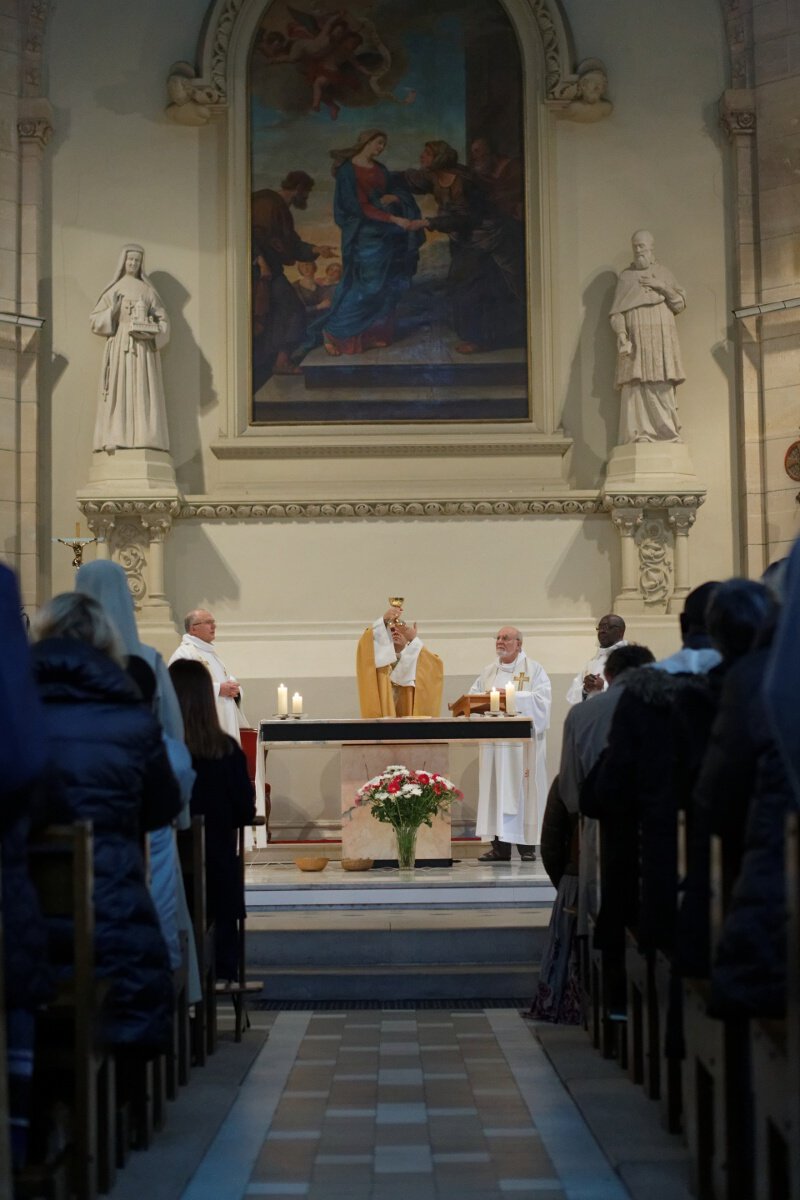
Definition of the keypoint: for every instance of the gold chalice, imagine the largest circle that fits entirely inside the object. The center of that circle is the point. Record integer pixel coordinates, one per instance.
(397, 602)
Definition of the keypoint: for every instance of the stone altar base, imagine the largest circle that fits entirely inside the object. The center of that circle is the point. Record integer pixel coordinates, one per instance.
(362, 835)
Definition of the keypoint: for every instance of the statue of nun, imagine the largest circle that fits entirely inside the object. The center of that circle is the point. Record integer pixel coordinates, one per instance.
(131, 317)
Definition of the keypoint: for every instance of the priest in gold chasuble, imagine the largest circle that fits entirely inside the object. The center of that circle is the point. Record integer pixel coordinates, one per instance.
(397, 676)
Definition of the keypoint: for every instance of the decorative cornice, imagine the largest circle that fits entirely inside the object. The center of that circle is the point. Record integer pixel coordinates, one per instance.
(381, 509)
(148, 511)
(645, 500)
(248, 448)
(198, 92)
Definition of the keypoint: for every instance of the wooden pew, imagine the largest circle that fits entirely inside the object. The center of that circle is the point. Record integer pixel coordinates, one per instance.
(5, 1144)
(716, 1081)
(70, 1061)
(776, 1067)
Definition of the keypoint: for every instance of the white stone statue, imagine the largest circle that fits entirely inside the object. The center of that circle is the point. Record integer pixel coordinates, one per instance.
(648, 355)
(131, 317)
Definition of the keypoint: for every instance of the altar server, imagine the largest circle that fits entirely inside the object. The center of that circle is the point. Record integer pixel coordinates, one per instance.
(198, 643)
(513, 779)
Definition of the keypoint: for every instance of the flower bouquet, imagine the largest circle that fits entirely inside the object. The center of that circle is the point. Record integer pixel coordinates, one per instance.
(406, 799)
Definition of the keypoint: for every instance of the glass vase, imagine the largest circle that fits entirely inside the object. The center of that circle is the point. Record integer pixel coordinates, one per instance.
(406, 846)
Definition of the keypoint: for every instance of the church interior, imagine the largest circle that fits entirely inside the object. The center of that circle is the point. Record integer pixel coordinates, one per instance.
(491, 306)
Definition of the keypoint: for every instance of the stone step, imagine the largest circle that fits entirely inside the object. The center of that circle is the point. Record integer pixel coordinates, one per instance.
(323, 948)
(401, 954)
(436, 981)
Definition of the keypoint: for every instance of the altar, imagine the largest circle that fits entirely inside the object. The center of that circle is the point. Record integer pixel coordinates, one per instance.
(366, 747)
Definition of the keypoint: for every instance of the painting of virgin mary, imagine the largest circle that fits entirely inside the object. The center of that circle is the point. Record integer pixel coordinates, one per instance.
(428, 319)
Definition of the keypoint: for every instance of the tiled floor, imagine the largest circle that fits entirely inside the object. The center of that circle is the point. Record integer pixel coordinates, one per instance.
(418, 1105)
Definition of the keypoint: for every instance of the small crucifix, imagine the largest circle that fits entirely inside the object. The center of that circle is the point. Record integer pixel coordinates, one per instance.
(77, 544)
(520, 680)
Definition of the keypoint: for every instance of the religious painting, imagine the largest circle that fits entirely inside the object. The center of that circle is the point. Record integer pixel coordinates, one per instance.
(387, 250)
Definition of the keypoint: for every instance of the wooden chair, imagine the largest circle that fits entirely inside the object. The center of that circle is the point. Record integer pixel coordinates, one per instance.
(239, 989)
(69, 1059)
(191, 849)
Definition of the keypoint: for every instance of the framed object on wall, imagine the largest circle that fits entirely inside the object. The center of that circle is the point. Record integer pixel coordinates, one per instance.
(387, 239)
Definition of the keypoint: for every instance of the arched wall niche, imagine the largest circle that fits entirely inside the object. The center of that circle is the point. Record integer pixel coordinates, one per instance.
(215, 91)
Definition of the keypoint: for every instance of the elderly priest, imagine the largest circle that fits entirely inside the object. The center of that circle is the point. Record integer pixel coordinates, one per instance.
(397, 676)
(513, 779)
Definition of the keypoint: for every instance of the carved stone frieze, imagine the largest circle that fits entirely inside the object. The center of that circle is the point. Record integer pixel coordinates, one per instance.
(222, 511)
(196, 93)
(613, 500)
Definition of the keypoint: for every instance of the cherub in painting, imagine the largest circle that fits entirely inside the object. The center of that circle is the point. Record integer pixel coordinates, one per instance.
(336, 58)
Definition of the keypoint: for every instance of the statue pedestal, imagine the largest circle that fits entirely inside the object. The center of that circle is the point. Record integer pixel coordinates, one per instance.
(652, 494)
(130, 502)
(131, 474)
(651, 466)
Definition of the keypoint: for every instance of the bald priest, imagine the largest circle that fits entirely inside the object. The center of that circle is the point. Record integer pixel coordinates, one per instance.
(397, 675)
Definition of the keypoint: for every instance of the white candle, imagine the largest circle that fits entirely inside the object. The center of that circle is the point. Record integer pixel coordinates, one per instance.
(283, 701)
(297, 704)
(511, 700)
(494, 700)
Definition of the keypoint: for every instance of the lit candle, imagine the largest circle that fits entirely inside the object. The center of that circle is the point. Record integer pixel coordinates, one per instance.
(511, 700)
(283, 701)
(297, 704)
(494, 700)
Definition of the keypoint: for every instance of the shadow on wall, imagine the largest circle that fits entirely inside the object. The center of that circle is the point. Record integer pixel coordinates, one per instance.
(216, 582)
(186, 393)
(595, 586)
(591, 409)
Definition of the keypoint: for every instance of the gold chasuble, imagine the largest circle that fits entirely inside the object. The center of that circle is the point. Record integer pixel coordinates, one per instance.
(379, 697)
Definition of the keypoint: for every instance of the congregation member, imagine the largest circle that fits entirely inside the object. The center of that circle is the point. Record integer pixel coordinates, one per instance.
(110, 767)
(583, 740)
(26, 976)
(513, 779)
(645, 776)
(591, 680)
(558, 997)
(223, 796)
(198, 643)
(397, 675)
(742, 796)
(107, 583)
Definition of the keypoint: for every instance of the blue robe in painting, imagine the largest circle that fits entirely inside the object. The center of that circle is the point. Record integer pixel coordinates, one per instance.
(379, 259)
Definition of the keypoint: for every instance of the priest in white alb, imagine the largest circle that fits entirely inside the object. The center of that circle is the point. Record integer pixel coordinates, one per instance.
(513, 778)
(397, 675)
(198, 643)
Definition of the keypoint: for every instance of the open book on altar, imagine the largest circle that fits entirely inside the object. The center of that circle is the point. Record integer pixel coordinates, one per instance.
(474, 702)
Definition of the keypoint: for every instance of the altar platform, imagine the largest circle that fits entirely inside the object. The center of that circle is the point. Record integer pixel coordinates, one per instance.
(472, 930)
(467, 885)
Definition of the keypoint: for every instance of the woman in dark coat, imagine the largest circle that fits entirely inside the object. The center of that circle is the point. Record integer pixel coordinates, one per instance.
(223, 796)
(109, 758)
(27, 979)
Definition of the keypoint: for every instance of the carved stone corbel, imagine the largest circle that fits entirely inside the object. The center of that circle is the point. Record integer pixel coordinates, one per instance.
(133, 533)
(680, 521)
(654, 528)
(627, 522)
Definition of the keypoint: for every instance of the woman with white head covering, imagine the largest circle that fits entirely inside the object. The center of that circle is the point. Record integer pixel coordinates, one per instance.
(130, 315)
(107, 583)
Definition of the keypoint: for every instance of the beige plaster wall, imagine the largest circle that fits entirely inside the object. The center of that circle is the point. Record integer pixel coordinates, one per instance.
(292, 597)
